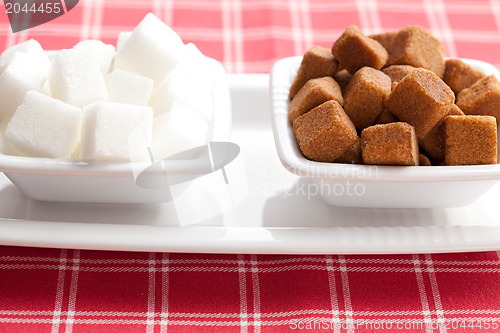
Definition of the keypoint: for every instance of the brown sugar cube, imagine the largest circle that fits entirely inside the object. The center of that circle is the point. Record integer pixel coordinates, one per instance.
(389, 144)
(455, 111)
(397, 72)
(385, 38)
(317, 62)
(421, 99)
(365, 95)
(482, 98)
(314, 93)
(355, 50)
(459, 75)
(325, 132)
(352, 155)
(433, 142)
(386, 117)
(423, 160)
(470, 140)
(416, 46)
(342, 77)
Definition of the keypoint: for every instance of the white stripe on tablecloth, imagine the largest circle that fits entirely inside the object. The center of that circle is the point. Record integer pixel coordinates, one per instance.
(430, 12)
(270, 323)
(440, 26)
(449, 40)
(435, 293)
(261, 270)
(307, 30)
(237, 43)
(97, 19)
(325, 36)
(369, 16)
(15, 38)
(11, 40)
(70, 318)
(476, 36)
(150, 322)
(168, 11)
(156, 7)
(332, 284)
(59, 292)
(252, 34)
(249, 262)
(165, 284)
(22, 36)
(86, 19)
(375, 16)
(473, 7)
(364, 20)
(227, 36)
(347, 294)
(256, 293)
(456, 312)
(495, 9)
(423, 294)
(246, 5)
(243, 293)
(296, 28)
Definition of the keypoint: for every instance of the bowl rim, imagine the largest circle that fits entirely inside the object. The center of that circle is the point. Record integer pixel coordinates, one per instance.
(281, 76)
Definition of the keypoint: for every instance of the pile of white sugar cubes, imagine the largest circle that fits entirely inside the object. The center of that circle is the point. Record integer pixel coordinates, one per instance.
(88, 101)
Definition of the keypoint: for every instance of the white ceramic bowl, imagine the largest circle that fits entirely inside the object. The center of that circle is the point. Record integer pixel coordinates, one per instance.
(64, 180)
(374, 186)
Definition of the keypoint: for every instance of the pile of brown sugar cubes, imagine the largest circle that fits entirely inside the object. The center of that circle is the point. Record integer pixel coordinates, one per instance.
(392, 99)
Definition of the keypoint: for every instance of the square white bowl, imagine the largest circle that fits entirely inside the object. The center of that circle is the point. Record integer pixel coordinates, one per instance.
(372, 186)
(65, 180)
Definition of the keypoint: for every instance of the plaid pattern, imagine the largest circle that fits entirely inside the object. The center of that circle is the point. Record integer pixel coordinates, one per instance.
(247, 36)
(62, 290)
(81, 291)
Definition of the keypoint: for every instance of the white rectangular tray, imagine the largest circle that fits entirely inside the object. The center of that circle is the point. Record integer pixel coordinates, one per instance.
(280, 215)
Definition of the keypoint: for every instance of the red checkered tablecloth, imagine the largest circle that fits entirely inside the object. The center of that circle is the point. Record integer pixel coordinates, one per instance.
(66, 290)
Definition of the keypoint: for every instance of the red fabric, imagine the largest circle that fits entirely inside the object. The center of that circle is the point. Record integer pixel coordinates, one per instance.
(248, 36)
(92, 291)
(64, 290)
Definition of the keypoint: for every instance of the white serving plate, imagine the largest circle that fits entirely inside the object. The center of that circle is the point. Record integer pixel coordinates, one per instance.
(375, 186)
(65, 180)
(277, 216)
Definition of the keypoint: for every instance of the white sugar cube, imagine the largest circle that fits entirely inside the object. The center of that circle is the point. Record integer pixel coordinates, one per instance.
(45, 127)
(100, 53)
(26, 71)
(76, 79)
(122, 38)
(6, 147)
(108, 127)
(126, 87)
(177, 130)
(152, 50)
(190, 83)
(193, 64)
(27, 46)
